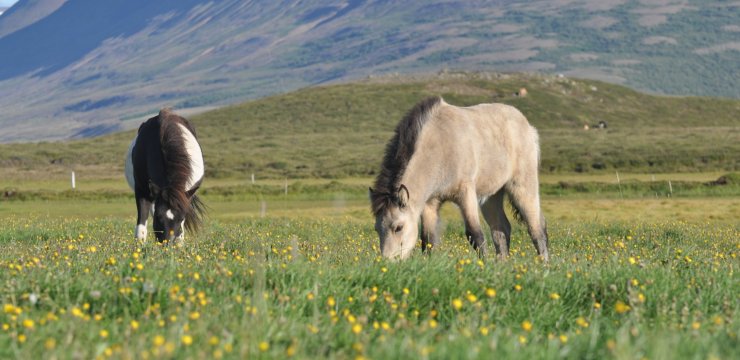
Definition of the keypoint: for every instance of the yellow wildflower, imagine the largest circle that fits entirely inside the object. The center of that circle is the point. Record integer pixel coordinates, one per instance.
(158, 340)
(187, 340)
(526, 325)
(621, 307)
(457, 303)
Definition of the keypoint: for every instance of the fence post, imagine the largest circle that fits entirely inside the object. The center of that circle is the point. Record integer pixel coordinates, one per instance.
(73, 181)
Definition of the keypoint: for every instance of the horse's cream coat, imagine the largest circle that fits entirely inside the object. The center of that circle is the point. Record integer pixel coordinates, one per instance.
(470, 156)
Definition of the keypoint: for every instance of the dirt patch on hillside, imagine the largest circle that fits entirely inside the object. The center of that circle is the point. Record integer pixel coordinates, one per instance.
(730, 46)
(652, 40)
(599, 22)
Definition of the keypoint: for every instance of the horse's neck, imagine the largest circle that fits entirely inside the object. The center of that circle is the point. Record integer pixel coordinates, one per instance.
(418, 180)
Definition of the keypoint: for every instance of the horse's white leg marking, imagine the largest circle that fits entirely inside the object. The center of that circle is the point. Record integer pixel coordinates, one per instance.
(197, 168)
(152, 208)
(129, 165)
(182, 234)
(169, 214)
(141, 231)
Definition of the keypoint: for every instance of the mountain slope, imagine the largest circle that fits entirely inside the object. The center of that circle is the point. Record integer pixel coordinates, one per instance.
(93, 67)
(341, 130)
(25, 13)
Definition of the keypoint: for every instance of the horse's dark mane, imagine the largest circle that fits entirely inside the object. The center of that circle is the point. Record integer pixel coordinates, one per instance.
(398, 152)
(177, 168)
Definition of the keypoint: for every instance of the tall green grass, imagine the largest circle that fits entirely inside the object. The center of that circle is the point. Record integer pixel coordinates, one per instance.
(278, 288)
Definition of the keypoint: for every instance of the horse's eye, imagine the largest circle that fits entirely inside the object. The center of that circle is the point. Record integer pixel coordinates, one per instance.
(398, 228)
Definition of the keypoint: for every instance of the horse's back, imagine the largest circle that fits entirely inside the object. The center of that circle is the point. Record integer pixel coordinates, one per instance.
(486, 144)
(488, 126)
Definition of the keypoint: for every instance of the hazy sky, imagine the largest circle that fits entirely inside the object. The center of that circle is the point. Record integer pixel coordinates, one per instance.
(7, 2)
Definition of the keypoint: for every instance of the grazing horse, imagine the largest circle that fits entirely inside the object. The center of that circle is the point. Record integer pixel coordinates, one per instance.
(468, 155)
(164, 167)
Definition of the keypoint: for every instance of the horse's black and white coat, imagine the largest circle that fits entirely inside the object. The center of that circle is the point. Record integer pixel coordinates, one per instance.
(164, 166)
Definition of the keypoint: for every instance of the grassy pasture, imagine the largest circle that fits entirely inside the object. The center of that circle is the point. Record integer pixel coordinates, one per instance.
(307, 288)
(631, 276)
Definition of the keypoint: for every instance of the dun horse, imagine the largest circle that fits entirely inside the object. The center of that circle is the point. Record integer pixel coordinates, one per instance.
(467, 155)
(164, 167)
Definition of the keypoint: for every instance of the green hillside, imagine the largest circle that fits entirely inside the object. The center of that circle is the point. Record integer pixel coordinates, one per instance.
(341, 130)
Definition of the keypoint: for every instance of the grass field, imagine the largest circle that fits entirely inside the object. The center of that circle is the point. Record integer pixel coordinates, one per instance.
(300, 276)
(305, 288)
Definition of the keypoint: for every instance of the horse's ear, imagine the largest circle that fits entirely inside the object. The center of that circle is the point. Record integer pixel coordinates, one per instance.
(403, 196)
(153, 188)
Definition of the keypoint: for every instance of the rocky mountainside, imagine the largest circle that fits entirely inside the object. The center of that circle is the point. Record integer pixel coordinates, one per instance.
(78, 68)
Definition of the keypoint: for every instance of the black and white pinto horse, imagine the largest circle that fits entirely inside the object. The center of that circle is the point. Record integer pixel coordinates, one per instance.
(164, 167)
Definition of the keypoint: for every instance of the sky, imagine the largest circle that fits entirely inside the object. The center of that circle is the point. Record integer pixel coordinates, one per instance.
(7, 3)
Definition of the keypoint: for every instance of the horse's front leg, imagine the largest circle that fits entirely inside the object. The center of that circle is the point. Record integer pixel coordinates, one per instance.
(143, 207)
(430, 226)
(181, 238)
(468, 203)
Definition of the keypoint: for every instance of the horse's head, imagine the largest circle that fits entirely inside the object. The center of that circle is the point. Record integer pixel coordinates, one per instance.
(397, 225)
(169, 213)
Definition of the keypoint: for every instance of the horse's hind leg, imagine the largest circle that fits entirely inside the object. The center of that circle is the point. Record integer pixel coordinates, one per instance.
(143, 206)
(525, 197)
(468, 202)
(430, 226)
(493, 212)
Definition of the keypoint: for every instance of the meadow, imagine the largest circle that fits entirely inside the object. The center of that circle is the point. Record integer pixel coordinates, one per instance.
(642, 217)
(305, 288)
(631, 276)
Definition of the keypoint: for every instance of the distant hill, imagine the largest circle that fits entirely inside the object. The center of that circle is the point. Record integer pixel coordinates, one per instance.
(341, 130)
(80, 68)
(25, 13)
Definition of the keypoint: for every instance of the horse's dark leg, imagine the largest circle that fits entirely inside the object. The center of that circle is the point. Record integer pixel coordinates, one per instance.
(493, 212)
(430, 226)
(468, 203)
(143, 207)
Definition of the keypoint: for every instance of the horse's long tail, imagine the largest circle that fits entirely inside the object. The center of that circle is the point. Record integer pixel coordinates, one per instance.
(516, 210)
(194, 217)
